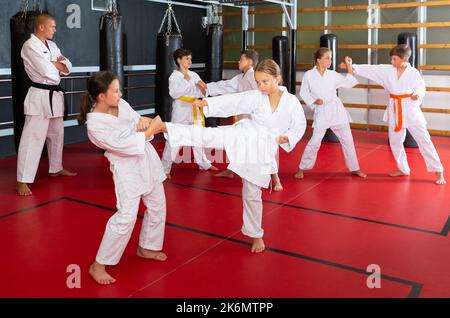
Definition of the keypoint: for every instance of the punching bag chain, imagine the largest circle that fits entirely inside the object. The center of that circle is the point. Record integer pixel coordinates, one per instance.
(36, 6)
(111, 8)
(169, 16)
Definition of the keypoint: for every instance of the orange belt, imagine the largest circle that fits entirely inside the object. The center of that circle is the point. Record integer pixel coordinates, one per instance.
(398, 114)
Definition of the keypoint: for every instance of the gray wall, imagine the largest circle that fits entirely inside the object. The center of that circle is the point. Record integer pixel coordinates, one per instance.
(141, 20)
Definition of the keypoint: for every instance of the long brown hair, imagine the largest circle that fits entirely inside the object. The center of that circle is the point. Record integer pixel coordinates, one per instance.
(269, 67)
(319, 54)
(98, 83)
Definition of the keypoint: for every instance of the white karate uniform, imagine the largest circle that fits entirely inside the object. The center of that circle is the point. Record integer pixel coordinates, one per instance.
(411, 82)
(40, 123)
(137, 173)
(251, 144)
(183, 113)
(331, 114)
(239, 83)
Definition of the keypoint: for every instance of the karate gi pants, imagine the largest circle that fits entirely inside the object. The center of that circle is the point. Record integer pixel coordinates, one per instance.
(36, 131)
(344, 134)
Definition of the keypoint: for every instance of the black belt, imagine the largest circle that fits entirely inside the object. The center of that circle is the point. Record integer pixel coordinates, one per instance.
(51, 89)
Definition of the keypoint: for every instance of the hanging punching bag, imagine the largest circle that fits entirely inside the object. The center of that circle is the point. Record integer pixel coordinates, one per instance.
(21, 26)
(410, 39)
(214, 61)
(280, 54)
(111, 45)
(330, 41)
(167, 42)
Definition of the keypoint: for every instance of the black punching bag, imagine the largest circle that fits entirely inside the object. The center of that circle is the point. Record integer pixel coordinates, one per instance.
(410, 39)
(214, 61)
(280, 54)
(330, 41)
(166, 44)
(21, 26)
(111, 45)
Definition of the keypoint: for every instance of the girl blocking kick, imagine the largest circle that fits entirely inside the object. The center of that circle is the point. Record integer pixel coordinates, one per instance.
(319, 91)
(137, 171)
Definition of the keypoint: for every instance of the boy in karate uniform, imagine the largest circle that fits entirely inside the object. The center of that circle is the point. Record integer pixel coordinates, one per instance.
(407, 89)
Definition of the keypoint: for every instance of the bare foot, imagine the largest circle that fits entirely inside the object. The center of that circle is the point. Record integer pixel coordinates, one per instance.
(258, 245)
(299, 174)
(225, 174)
(63, 172)
(359, 173)
(276, 182)
(22, 189)
(440, 178)
(149, 254)
(398, 173)
(99, 274)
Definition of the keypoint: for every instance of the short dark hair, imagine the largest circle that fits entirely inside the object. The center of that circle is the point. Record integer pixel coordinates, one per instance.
(179, 53)
(401, 50)
(252, 55)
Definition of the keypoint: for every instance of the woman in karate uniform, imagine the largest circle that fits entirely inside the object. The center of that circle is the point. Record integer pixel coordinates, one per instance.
(137, 171)
(276, 117)
(407, 89)
(185, 83)
(318, 90)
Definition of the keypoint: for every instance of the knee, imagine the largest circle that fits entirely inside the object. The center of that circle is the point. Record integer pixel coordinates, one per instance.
(122, 224)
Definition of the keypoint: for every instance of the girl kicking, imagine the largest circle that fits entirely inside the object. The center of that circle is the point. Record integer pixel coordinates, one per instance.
(115, 127)
(319, 91)
(271, 106)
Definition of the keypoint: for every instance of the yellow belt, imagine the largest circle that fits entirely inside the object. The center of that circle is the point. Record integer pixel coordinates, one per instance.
(194, 109)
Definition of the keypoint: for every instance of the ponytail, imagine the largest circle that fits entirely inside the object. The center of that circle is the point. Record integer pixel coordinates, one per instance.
(85, 108)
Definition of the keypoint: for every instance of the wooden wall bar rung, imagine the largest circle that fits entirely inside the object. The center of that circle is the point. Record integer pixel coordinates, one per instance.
(433, 132)
(348, 8)
(367, 86)
(434, 67)
(375, 26)
(383, 107)
(344, 46)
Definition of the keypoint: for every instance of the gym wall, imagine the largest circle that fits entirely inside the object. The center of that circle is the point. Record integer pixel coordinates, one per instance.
(141, 21)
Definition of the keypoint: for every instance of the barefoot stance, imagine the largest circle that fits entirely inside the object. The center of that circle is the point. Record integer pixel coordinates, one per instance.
(299, 174)
(398, 173)
(99, 274)
(63, 172)
(258, 245)
(213, 168)
(359, 173)
(22, 189)
(225, 174)
(440, 178)
(149, 254)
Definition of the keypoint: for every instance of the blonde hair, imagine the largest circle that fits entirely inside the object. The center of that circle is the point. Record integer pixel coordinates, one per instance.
(42, 19)
(269, 67)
